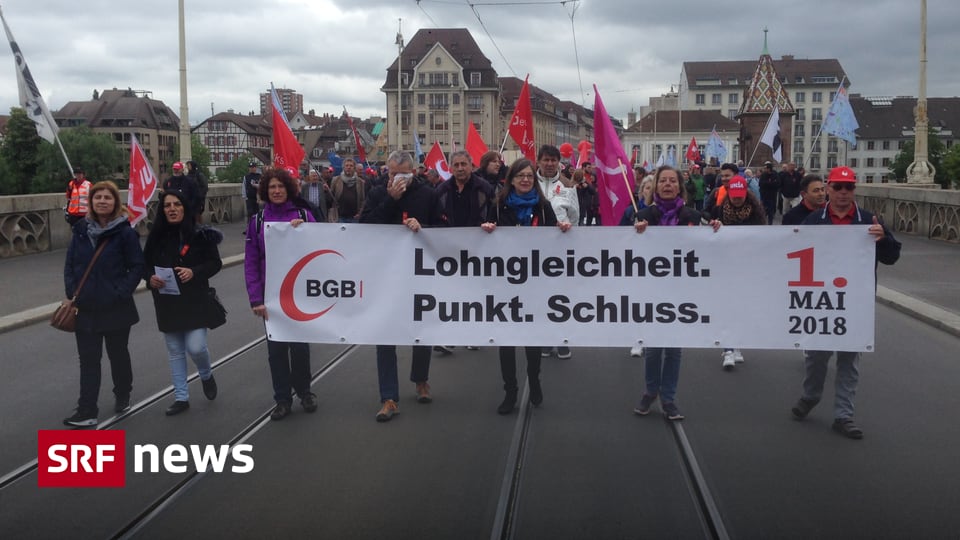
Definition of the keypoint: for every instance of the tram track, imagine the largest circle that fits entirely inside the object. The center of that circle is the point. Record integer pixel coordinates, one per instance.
(29, 467)
(190, 479)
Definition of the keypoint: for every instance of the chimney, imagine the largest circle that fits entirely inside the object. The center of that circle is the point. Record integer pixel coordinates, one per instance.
(787, 58)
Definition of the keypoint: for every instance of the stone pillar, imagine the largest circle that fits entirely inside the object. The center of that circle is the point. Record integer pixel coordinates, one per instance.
(921, 171)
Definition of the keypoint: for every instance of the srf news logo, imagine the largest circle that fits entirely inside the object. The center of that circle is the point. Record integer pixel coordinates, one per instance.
(67, 458)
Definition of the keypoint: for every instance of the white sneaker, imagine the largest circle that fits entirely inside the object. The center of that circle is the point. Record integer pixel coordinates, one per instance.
(728, 360)
(737, 356)
(547, 352)
(636, 351)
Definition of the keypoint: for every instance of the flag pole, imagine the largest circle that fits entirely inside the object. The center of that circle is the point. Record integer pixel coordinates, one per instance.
(623, 171)
(504, 145)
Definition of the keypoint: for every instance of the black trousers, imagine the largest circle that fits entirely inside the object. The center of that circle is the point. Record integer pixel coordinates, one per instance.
(508, 365)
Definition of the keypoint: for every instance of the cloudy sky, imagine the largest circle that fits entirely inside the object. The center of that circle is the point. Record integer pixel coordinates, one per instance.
(335, 52)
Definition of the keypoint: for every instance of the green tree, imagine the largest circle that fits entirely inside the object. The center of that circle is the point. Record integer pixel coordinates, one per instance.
(96, 153)
(201, 155)
(236, 170)
(935, 152)
(19, 153)
(951, 165)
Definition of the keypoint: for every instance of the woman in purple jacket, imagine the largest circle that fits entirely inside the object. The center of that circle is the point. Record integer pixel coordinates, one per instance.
(289, 362)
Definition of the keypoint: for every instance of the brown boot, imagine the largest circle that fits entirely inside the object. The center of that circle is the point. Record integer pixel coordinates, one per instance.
(423, 393)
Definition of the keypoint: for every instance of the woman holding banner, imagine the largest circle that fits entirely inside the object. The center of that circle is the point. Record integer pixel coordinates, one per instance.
(662, 364)
(522, 204)
(289, 362)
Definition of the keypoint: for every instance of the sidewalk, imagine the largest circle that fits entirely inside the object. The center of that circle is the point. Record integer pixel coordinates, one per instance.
(923, 284)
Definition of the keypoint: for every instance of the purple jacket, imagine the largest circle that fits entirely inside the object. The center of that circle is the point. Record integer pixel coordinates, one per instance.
(255, 254)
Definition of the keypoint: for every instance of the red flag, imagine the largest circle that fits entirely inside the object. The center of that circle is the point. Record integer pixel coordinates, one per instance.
(521, 124)
(436, 161)
(356, 138)
(143, 182)
(287, 151)
(693, 151)
(614, 176)
(475, 145)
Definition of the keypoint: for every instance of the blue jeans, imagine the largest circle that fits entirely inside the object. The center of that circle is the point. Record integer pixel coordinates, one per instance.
(90, 349)
(387, 369)
(848, 375)
(289, 369)
(662, 367)
(178, 345)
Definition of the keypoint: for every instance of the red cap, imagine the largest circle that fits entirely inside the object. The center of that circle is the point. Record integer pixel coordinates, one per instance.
(842, 174)
(737, 187)
(177, 166)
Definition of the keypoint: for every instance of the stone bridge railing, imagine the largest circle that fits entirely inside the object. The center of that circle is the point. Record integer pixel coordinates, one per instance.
(932, 213)
(34, 223)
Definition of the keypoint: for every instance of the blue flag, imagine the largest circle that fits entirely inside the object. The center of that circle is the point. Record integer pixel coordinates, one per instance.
(716, 148)
(417, 150)
(840, 121)
(336, 162)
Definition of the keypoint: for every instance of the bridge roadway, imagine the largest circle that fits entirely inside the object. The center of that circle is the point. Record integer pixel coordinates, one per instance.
(580, 466)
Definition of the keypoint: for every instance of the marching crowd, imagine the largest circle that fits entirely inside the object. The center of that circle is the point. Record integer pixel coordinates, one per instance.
(181, 256)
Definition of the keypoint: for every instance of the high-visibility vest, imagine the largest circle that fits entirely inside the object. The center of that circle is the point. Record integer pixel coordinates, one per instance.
(78, 198)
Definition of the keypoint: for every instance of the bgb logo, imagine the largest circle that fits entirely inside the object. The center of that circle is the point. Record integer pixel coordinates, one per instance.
(328, 291)
(81, 458)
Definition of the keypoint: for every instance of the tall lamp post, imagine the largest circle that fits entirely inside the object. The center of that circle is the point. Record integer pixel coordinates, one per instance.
(399, 44)
(185, 150)
(921, 171)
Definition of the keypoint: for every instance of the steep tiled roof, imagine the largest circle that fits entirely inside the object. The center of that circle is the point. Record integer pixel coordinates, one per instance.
(667, 121)
(118, 108)
(888, 118)
(254, 124)
(765, 90)
(457, 41)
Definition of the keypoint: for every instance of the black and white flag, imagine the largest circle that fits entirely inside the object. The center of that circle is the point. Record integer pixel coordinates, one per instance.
(30, 98)
(771, 134)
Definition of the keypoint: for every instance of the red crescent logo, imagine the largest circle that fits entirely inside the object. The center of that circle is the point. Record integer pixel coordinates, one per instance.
(287, 303)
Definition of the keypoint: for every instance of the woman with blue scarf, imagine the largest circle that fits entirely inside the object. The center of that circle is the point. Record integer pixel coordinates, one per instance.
(662, 364)
(522, 204)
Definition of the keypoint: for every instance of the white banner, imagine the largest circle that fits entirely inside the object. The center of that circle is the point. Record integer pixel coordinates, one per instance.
(742, 287)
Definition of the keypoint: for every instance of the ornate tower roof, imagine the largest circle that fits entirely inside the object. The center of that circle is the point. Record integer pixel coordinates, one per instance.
(766, 89)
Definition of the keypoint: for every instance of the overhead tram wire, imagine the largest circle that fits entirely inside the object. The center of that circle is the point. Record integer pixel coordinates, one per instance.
(576, 51)
(435, 25)
(489, 35)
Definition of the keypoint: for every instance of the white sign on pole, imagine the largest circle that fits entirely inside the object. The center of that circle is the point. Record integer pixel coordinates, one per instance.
(774, 287)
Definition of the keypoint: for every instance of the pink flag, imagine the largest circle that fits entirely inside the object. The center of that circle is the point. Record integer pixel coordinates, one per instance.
(614, 176)
(437, 162)
(143, 182)
(287, 151)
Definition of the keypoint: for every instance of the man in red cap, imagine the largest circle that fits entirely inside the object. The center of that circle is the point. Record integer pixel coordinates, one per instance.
(186, 185)
(842, 209)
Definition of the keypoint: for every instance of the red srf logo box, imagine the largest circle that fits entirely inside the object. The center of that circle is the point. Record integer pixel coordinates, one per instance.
(67, 458)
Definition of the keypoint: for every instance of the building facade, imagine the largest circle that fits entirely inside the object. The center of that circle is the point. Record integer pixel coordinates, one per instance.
(810, 84)
(291, 101)
(668, 134)
(229, 135)
(119, 113)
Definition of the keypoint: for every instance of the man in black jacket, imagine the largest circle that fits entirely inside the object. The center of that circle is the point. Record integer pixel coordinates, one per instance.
(251, 183)
(790, 185)
(842, 210)
(769, 191)
(405, 200)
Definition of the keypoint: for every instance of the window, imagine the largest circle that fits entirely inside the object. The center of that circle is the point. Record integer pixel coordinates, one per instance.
(423, 79)
(800, 97)
(421, 119)
(733, 99)
(816, 114)
(871, 162)
(832, 145)
(831, 161)
(869, 178)
(884, 179)
(886, 145)
(798, 146)
(475, 78)
(817, 97)
(801, 114)
(731, 113)
(815, 128)
(474, 102)
(404, 79)
(455, 79)
(716, 99)
(853, 163)
(456, 99)
(900, 144)
(815, 162)
(832, 95)
(871, 145)
(421, 99)
(208, 140)
(816, 147)
(701, 99)
(798, 130)
(885, 162)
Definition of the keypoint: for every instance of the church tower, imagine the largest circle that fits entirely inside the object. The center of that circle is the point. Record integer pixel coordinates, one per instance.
(765, 92)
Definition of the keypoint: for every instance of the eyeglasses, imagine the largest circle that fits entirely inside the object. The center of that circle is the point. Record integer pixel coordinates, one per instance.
(843, 186)
(524, 175)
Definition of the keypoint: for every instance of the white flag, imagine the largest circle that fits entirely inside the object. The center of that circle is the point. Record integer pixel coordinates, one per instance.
(771, 134)
(30, 98)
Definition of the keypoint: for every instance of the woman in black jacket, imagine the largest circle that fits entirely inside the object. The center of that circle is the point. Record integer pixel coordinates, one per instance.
(189, 253)
(522, 204)
(105, 307)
